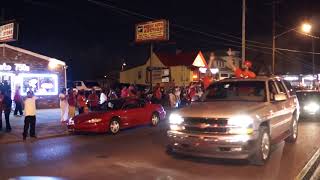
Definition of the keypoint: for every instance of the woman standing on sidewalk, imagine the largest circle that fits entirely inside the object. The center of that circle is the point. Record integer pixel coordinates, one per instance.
(18, 101)
(63, 105)
(72, 103)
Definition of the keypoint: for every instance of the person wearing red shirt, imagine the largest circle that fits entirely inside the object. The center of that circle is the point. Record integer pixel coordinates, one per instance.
(241, 73)
(81, 101)
(93, 100)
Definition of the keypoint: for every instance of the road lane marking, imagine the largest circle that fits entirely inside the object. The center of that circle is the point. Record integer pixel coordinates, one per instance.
(309, 167)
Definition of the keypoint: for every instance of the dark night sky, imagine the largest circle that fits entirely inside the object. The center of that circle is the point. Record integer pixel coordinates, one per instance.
(93, 40)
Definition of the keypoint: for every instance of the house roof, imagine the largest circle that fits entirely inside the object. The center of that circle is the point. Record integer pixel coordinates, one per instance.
(181, 59)
(33, 54)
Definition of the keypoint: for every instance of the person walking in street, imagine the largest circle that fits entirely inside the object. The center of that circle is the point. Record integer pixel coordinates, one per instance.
(71, 98)
(30, 116)
(63, 105)
(1, 108)
(18, 102)
(93, 100)
(81, 102)
(7, 103)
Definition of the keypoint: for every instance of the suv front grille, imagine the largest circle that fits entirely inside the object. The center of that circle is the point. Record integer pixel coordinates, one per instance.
(206, 125)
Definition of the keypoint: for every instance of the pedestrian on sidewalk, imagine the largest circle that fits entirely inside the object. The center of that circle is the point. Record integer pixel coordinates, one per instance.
(18, 101)
(72, 103)
(1, 108)
(30, 116)
(81, 101)
(7, 103)
(63, 105)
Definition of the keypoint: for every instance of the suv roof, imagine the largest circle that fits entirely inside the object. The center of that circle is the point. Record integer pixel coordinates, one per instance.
(258, 78)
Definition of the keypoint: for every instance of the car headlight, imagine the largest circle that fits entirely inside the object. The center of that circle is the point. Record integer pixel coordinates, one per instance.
(94, 120)
(71, 121)
(240, 121)
(175, 119)
(311, 107)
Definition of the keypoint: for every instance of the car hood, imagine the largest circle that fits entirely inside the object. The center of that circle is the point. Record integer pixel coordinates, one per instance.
(221, 109)
(87, 116)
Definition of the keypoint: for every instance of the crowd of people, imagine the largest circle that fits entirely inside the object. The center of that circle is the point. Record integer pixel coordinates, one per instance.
(72, 100)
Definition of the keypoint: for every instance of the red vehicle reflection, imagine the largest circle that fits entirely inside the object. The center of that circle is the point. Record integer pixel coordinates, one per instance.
(118, 114)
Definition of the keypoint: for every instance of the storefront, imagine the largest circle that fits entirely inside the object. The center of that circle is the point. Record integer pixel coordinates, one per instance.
(43, 75)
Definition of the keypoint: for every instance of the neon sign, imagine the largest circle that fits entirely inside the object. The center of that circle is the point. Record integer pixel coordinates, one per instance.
(17, 67)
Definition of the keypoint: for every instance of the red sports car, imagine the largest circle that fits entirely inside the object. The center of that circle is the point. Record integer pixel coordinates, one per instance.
(118, 114)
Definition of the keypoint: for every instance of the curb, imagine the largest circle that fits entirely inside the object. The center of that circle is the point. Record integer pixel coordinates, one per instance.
(310, 168)
(40, 138)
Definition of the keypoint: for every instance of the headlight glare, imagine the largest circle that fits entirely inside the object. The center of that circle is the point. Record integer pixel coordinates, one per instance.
(240, 121)
(175, 119)
(311, 107)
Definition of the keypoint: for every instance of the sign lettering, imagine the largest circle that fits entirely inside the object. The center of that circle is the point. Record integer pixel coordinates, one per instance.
(17, 67)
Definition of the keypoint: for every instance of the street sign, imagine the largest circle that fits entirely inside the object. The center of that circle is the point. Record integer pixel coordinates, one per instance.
(152, 31)
(9, 32)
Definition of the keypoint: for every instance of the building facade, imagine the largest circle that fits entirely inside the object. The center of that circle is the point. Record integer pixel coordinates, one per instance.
(27, 70)
(177, 69)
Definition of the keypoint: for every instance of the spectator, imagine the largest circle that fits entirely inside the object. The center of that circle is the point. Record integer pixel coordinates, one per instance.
(18, 101)
(71, 103)
(93, 100)
(103, 97)
(30, 116)
(1, 108)
(172, 99)
(63, 105)
(7, 103)
(112, 94)
(124, 92)
(81, 102)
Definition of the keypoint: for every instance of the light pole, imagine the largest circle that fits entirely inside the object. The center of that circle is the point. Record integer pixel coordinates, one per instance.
(305, 29)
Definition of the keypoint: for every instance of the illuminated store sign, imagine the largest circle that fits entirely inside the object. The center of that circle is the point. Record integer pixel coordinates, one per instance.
(14, 67)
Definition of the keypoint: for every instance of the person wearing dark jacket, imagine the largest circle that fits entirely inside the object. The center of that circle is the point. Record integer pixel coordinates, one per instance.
(7, 103)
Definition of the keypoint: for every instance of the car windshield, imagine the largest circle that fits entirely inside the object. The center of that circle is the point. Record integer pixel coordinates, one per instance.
(308, 96)
(236, 91)
(90, 84)
(113, 105)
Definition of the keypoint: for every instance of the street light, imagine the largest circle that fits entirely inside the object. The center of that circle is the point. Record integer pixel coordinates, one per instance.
(305, 29)
(123, 65)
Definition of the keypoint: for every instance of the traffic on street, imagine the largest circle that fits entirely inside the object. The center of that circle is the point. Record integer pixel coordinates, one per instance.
(166, 90)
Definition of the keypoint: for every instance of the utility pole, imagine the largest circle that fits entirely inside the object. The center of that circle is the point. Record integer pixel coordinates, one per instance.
(243, 31)
(150, 63)
(273, 36)
(313, 66)
(2, 15)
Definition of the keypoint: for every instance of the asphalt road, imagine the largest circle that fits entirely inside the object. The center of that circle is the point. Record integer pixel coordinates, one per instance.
(139, 153)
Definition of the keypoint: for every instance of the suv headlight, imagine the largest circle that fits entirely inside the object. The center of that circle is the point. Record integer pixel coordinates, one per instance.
(240, 121)
(242, 125)
(175, 119)
(95, 120)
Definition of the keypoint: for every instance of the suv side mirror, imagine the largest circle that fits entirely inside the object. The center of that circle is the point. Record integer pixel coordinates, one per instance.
(280, 97)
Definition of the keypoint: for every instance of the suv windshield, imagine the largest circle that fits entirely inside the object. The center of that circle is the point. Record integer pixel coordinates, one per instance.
(236, 91)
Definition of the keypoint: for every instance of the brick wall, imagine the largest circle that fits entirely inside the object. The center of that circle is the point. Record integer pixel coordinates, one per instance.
(37, 65)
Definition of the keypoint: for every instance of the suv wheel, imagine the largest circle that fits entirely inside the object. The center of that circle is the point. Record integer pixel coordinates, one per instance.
(293, 131)
(262, 148)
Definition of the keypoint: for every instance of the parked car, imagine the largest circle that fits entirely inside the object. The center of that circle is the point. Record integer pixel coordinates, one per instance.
(309, 103)
(118, 114)
(236, 119)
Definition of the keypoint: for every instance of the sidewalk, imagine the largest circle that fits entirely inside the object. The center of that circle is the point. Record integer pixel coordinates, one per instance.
(48, 125)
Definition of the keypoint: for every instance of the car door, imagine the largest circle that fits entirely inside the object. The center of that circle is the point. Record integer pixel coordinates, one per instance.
(130, 113)
(144, 116)
(274, 111)
(286, 109)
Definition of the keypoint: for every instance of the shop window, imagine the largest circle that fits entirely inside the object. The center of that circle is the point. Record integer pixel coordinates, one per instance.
(40, 84)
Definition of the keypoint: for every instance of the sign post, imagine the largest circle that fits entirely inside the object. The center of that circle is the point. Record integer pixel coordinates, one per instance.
(150, 32)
